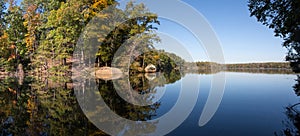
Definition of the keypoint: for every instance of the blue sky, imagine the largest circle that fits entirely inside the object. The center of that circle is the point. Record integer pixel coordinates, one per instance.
(243, 39)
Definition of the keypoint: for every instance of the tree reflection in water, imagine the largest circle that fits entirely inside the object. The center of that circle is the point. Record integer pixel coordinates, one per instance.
(48, 106)
(130, 97)
(41, 106)
(292, 125)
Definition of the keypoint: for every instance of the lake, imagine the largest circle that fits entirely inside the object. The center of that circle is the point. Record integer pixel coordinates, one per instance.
(252, 104)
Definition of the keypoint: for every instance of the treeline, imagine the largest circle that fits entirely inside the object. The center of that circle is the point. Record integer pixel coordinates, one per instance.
(212, 67)
(163, 61)
(41, 35)
(269, 65)
(202, 67)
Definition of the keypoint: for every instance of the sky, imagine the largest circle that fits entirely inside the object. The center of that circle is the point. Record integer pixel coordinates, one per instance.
(242, 38)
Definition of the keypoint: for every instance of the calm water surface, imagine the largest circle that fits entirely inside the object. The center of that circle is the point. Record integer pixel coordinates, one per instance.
(253, 104)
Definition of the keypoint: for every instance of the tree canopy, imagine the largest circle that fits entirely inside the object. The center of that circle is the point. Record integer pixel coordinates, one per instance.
(42, 34)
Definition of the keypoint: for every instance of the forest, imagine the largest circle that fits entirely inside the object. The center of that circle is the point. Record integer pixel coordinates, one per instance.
(39, 48)
(213, 67)
(39, 37)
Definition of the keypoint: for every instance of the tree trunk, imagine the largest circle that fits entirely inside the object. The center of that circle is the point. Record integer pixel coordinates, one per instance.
(143, 62)
(99, 64)
(20, 74)
(82, 58)
(64, 61)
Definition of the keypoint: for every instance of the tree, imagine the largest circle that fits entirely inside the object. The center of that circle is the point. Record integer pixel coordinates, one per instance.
(2, 14)
(284, 17)
(16, 33)
(32, 23)
(138, 30)
(7, 55)
(61, 30)
(6, 52)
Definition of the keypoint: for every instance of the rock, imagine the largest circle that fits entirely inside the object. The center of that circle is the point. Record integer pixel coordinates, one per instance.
(150, 76)
(150, 69)
(108, 73)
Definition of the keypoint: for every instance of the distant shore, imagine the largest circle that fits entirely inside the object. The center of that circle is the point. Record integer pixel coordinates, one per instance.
(212, 67)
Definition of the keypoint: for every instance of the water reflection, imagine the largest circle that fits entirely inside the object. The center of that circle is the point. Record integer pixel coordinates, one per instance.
(48, 106)
(41, 107)
(132, 98)
(13, 108)
(292, 112)
(296, 87)
(243, 70)
(122, 107)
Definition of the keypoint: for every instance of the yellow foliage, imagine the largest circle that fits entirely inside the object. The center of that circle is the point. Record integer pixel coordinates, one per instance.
(102, 15)
(99, 2)
(86, 16)
(12, 90)
(29, 42)
(156, 57)
(4, 37)
(30, 106)
(4, 44)
(25, 23)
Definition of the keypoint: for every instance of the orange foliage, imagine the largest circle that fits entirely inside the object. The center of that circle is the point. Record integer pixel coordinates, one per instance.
(11, 57)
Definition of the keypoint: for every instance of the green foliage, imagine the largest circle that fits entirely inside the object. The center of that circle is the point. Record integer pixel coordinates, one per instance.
(212, 67)
(13, 49)
(32, 22)
(45, 32)
(40, 106)
(49, 106)
(15, 29)
(135, 25)
(271, 65)
(6, 53)
(163, 61)
(2, 15)
(63, 23)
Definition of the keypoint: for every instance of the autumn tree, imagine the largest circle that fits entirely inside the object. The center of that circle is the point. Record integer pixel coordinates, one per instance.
(63, 27)
(45, 32)
(16, 33)
(32, 22)
(138, 29)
